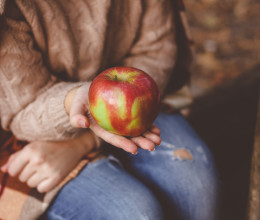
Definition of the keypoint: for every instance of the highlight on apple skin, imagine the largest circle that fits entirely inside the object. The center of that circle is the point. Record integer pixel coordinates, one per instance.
(124, 100)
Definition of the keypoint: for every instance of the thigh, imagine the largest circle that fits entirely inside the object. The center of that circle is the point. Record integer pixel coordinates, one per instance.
(103, 190)
(181, 171)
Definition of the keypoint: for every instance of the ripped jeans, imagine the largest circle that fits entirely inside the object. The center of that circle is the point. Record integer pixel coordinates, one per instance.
(176, 181)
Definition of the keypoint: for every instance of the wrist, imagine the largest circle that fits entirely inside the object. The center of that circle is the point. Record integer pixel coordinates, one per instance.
(87, 142)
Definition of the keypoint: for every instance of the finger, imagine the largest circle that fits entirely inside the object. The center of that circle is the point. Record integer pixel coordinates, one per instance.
(153, 137)
(18, 163)
(47, 185)
(35, 179)
(78, 110)
(79, 121)
(143, 143)
(26, 173)
(116, 140)
(6, 166)
(154, 129)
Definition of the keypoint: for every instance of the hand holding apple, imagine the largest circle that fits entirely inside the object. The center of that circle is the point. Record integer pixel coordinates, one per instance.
(77, 106)
(124, 101)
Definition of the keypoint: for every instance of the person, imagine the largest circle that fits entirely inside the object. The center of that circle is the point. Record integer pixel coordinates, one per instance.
(62, 164)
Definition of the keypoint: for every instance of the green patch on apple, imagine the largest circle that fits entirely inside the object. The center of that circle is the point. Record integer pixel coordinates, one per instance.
(100, 114)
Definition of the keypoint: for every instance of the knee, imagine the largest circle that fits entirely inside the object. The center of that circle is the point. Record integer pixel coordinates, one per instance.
(191, 182)
(203, 190)
(132, 205)
(127, 206)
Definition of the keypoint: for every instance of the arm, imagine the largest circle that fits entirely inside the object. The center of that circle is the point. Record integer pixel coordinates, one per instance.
(31, 97)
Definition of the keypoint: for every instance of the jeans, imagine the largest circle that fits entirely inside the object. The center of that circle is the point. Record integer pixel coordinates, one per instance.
(176, 181)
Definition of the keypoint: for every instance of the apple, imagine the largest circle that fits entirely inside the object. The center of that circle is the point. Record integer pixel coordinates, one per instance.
(124, 100)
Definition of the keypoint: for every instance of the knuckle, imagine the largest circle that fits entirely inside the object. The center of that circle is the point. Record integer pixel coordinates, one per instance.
(22, 179)
(12, 156)
(42, 189)
(38, 160)
(31, 184)
(57, 178)
(11, 172)
(47, 168)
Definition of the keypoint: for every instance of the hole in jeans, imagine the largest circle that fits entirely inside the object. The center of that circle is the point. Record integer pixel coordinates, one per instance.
(182, 154)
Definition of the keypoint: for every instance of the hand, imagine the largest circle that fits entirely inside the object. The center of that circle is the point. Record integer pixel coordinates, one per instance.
(45, 164)
(76, 104)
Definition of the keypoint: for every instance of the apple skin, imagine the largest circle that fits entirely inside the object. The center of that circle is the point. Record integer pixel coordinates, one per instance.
(124, 100)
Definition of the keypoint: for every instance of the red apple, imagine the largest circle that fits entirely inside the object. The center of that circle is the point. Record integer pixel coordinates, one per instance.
(124, 100)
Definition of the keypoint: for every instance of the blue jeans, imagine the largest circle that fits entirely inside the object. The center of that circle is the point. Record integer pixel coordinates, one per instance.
(176, 181)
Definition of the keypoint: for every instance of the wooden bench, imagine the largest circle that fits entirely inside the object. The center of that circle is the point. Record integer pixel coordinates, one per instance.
(254, 189)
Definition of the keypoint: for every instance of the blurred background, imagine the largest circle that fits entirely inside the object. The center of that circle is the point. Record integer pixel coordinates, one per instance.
(225, 84)
(227, 40)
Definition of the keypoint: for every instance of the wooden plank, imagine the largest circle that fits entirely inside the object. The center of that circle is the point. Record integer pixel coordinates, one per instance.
(254, 190)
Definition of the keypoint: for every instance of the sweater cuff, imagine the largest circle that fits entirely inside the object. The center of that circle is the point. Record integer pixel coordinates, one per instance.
(46, 118)
(59, 116)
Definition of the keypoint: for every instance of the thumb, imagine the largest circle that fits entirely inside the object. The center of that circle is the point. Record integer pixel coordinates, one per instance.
(79, 121)
(79, 107)
(77, 116)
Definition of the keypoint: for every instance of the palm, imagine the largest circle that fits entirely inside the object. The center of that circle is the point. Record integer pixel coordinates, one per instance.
(80, 111)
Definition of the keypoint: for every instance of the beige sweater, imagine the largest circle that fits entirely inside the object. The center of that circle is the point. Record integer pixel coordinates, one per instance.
(51, 46)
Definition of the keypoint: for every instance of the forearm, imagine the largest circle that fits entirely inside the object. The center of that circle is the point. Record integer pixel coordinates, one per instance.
(45, 118)
(31, 95)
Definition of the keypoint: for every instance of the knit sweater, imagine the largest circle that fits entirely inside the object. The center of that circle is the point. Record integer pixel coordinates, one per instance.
(48, 47)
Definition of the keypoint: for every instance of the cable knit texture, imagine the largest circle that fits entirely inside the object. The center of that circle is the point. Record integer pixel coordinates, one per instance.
(45, 42)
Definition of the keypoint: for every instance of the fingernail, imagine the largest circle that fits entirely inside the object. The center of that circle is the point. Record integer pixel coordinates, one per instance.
(152, 149)
(82, 123)
(134, 153)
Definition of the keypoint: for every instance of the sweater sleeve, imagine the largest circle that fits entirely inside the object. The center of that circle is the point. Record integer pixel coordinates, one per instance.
(31, 97)
(154, 50)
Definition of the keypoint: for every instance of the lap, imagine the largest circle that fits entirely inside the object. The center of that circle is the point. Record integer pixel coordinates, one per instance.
(178, 176)
(103, 190)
